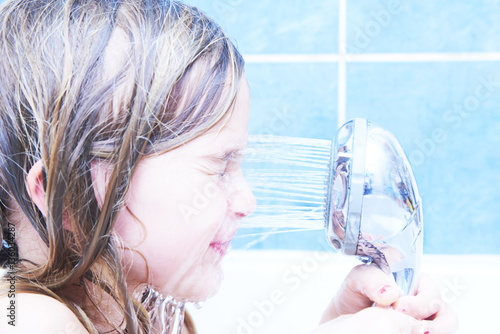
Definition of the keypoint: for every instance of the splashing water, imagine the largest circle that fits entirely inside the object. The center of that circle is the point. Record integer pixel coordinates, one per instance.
(166, 314)
(287, 176)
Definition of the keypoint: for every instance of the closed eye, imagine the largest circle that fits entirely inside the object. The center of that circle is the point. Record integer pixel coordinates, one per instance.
(225, 162)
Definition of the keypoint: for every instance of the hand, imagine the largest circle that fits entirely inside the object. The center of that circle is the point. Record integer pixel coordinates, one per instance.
(436, 316)
(366, 285)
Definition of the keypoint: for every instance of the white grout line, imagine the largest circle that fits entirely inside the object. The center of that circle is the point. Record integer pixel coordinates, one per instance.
(370, 57)
(341, 86)
(291, 58)
(424, 57)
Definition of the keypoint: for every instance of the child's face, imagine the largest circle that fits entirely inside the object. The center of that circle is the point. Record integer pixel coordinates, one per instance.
(189, 201)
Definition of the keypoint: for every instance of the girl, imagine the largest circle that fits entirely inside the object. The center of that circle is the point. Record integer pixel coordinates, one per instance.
(115, 116)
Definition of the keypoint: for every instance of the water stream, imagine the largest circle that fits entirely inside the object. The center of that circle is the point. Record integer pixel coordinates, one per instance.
(287, 176)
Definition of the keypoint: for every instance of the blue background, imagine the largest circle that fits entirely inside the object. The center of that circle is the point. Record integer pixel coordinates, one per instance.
(457, 170)
(455, 156)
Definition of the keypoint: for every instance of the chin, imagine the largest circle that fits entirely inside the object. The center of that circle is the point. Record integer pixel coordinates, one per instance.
(207, 290)
(202, 287)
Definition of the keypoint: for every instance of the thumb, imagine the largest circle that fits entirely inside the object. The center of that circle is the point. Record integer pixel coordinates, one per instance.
(365, 285)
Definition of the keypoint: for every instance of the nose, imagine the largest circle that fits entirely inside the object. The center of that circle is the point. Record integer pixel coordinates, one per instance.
(242, 200)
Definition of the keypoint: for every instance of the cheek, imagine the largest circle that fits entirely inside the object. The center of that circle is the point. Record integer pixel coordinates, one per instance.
(171, 231)
(207, 206)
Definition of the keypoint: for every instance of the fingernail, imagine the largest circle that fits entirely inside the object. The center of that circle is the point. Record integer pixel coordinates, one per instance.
(404, 309)
(427, 332)
(384, 289)
(435, 307)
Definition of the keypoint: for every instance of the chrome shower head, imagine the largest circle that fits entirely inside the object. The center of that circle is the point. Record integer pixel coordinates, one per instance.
(373, 209)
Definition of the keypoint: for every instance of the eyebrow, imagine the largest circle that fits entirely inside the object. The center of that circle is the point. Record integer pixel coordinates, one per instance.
(227, 154)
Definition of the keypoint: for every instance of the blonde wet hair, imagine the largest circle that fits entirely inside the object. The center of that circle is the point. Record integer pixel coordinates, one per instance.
(86, 81)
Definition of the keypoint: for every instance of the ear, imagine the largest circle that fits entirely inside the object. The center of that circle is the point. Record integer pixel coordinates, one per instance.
(34, 185)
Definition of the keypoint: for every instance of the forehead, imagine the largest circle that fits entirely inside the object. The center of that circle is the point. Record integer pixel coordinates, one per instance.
(231, 133)
(234, 127)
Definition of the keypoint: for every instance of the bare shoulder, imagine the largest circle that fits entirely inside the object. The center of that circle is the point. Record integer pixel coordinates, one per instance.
(35, 313)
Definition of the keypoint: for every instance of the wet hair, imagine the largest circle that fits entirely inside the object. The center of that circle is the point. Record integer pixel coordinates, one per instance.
(84, 81)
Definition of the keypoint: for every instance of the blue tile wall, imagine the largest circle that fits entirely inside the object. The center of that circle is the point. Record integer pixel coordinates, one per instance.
(446, 117)
(450, 135)
(278, 26)
(296, 100)
(384, 26)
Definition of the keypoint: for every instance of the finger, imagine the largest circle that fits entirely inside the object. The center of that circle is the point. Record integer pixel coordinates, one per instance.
(374, 320)
(444, 322)
(371, 285)
(386, 320)
(425, 304)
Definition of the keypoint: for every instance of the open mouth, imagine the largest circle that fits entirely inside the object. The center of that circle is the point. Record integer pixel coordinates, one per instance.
(221, 243)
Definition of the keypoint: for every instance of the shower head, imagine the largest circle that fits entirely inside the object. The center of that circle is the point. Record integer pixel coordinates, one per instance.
(373, 209)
